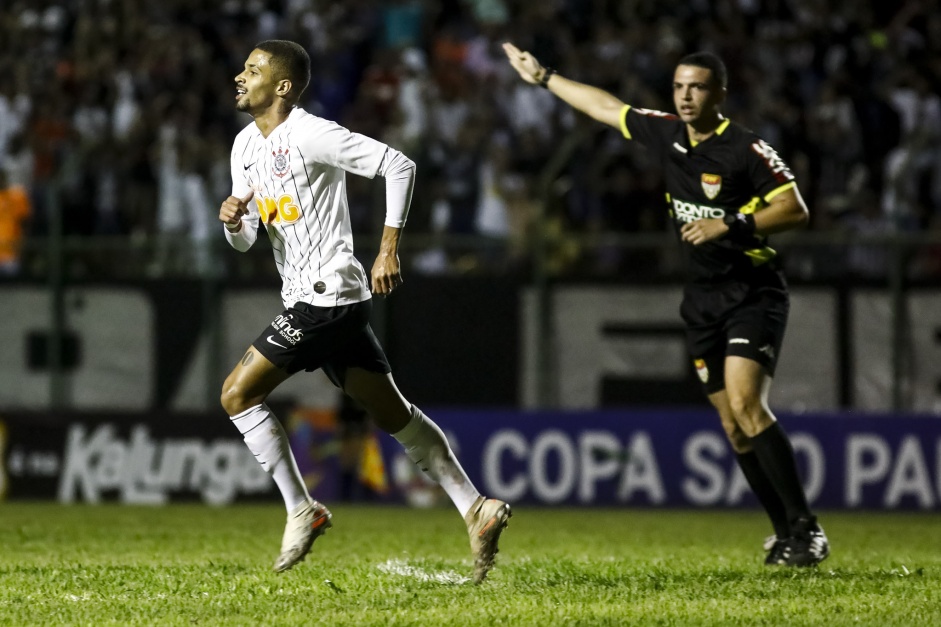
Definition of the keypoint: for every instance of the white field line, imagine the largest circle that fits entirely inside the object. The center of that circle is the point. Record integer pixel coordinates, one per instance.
(403, 569)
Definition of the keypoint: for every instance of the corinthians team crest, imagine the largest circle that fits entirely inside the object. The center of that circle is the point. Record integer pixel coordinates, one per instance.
(711, 185)
(282, 163)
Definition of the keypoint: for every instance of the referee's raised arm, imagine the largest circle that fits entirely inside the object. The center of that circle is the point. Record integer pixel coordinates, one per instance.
(594, 102)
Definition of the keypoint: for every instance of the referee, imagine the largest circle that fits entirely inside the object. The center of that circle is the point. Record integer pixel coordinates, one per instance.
(727, 191)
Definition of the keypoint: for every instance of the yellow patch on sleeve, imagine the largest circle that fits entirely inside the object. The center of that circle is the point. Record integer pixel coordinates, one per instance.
(624, 131)
(778, 190)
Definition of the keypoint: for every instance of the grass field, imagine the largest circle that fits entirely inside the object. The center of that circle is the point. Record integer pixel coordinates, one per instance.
(196, 565)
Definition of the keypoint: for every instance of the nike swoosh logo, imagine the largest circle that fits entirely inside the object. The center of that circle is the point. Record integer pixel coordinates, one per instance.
(249, 165)
(270, 341)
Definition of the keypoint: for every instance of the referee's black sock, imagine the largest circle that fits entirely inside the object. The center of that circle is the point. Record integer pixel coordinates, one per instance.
(776, 455)
(763, 488)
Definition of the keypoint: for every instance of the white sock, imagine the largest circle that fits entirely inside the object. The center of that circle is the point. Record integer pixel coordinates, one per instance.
(425, 444)
(269, 443)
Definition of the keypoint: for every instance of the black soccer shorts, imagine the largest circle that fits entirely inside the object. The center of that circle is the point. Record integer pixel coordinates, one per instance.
(741, 321)
(305, 337)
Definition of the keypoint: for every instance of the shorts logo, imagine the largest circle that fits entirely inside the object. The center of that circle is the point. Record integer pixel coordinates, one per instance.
(711, 185)
(271, 341)
(320, 287)
(738, 340)
(768, 350)
(281, 163)
(701, 370)
(283, 326)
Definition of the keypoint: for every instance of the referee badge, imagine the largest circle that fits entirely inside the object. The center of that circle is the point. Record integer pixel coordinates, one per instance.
(701, 370)
(711, 185)
(281, 163)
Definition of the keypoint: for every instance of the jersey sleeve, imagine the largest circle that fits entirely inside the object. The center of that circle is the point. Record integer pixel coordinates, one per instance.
(240, 183)
(650, 128)
(245, 237)
(769, 174)
(334, 145)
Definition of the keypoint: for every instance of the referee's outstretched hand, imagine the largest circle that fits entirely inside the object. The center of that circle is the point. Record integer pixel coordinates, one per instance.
(524, 63)
(702, 231)
(233, 209)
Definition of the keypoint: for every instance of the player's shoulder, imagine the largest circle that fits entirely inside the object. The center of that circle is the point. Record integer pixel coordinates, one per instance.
(301, 118)
(654, 115)
(743, 135)
(249, 131)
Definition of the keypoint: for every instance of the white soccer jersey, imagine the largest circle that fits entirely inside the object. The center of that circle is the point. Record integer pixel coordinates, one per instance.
(298, 175)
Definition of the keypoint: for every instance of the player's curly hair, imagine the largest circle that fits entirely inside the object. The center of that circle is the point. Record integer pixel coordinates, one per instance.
(710, 62)
(288, 60)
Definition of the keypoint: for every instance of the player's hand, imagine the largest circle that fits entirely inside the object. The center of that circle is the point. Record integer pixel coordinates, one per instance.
(386, 274)
(702, 231)
(524, 63)
(233, 209)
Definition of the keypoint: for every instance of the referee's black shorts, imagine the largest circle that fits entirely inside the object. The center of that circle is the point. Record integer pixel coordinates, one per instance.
(735, 320)
(305, 337)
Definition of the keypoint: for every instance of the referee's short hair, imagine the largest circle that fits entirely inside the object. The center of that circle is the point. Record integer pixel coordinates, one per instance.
(710, 62)
(288, 60)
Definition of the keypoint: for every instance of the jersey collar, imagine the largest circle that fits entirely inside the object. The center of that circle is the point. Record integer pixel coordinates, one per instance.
(719, 130)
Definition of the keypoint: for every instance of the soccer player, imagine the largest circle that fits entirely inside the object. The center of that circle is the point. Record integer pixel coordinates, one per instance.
(727, 191)
(289, 173)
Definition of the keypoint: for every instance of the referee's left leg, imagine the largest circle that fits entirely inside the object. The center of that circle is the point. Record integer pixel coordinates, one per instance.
(747, 385)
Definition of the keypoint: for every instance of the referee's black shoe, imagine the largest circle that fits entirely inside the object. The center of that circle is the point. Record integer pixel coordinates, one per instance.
(808, 544)
(778, 550)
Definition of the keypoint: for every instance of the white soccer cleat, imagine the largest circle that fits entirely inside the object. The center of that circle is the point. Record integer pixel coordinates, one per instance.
(486, 520)
(305, 524)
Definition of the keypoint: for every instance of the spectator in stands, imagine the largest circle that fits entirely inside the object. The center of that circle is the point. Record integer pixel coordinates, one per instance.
(94, 66)
(15, 210)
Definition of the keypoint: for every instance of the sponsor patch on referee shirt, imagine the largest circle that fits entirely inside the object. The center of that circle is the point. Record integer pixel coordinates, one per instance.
(711, 185)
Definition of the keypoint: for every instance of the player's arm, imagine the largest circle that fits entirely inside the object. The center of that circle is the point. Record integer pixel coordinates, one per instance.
(235, 215)
(594, 102)
(786, 210)
(399, 173)
(241, 225)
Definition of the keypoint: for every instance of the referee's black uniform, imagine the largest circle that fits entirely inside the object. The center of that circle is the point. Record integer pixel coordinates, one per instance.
(735, 302)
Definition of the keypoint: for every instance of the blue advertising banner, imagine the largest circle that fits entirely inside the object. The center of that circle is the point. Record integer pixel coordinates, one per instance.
(679, 459)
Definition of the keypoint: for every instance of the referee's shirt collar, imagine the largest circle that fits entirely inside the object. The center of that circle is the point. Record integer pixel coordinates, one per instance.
(685, 141)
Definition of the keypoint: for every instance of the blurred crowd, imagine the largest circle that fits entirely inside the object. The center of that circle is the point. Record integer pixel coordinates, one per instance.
(127, 106)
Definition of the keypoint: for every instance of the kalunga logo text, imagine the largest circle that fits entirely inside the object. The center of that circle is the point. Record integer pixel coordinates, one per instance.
(145, 470)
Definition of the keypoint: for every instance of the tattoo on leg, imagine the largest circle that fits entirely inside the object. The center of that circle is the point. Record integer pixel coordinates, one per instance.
(247, 359)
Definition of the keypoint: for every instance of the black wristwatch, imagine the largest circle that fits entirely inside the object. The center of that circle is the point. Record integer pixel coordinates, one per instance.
(740, 225)
(546, 75)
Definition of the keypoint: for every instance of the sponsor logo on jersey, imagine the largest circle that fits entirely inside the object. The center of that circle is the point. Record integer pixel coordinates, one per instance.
(281, 210)
(655, 114)
(690, 212)
(774, 162)
(282, 164)
(711, 185)
(701, 370)
(282, 324)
